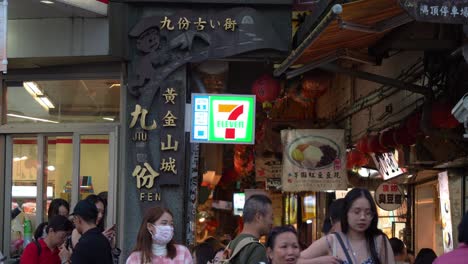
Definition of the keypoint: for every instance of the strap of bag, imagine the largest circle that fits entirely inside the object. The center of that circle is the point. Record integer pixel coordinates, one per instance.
(340, 240)
(244, 242)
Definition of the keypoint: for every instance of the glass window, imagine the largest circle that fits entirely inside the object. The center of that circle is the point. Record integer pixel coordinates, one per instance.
(94, 164)
(24, 189)
(63, 101)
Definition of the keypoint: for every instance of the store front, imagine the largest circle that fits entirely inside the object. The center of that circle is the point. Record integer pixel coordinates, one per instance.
(60, 139)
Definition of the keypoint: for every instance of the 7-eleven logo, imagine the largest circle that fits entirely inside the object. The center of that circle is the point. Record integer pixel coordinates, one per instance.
(230, 120)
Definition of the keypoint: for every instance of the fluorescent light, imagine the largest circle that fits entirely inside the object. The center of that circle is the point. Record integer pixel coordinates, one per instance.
(90, 5)
(33, 118)
(46, 101)
(51, 168)
(32, 88)
(114, 85)
(29, 191)
(47, 2)
(108, 118)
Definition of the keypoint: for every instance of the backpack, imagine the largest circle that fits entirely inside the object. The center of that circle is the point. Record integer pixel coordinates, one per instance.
(228, 257)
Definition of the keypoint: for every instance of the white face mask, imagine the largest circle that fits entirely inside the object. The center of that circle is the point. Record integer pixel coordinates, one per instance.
(163, 235)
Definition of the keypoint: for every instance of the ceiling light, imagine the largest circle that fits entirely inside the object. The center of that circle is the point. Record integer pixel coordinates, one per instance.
(309, 221)
(33, 118)
(201, 220)
(114, 85)
(108, 118)
(364, 172)
(47, 2)
(51, 168)
(32, 88)
(46, 101)
(410, 176)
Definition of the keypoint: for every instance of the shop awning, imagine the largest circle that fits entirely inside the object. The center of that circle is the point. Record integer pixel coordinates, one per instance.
(343, 32)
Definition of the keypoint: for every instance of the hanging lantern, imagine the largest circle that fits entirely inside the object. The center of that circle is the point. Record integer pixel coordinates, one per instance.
(266, 88)
(387, 139)
(361, 145)
(413, 124)
(441, 116)
(315, 84)
(373, 144)
(355, 158)
(402, 137)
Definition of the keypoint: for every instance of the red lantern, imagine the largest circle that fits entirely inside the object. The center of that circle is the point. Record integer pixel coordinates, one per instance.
(413, 124)
(373, 144)
(387, 139)
(266, 88)
(402, 137)
(356, 158)
(441, 116)
(361, 145)
(315, 84)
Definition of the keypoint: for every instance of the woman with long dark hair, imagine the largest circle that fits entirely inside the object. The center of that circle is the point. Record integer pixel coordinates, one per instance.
(360, 241)
(155, 243)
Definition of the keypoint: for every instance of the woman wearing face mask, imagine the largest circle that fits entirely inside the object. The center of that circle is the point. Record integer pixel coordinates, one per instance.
(283, 245)
(155, 242)
(360, 241)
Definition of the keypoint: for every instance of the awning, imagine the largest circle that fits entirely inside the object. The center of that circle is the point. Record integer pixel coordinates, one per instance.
(343, 31)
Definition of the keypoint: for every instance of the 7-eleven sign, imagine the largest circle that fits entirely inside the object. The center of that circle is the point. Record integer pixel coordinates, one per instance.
(223, 118)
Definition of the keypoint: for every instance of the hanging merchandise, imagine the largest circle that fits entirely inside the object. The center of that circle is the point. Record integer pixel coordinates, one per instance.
(315, 84)
(266, 88)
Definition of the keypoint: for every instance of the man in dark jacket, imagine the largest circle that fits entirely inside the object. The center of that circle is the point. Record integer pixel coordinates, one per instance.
(93, 246)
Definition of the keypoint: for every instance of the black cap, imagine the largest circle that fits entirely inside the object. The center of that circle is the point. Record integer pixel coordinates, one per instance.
(86, 210)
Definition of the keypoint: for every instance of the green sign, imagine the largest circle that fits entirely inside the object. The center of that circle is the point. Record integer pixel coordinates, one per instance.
(223, 118)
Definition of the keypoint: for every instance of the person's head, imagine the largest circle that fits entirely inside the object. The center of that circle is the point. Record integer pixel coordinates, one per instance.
(218, 256)
(203, 253)
(410, 254)
(360, 216)
(399, 249)
(283, 245)
(58, 229)
(157, 227)
(58, 207)
(85, 215)
(333, 222)
(425, 256)
(258, 213)
(463, 230)
(101, 207)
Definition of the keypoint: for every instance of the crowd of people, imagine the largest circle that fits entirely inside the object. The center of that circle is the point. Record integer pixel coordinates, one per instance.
(351, 236)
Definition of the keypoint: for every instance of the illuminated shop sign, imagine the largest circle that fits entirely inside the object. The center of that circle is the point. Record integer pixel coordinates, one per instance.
(223, 118)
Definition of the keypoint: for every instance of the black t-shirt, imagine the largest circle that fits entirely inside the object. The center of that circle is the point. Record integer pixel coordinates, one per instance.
(93, 247)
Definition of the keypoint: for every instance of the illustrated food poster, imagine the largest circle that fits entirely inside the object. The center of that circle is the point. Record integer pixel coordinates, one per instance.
(313, 160)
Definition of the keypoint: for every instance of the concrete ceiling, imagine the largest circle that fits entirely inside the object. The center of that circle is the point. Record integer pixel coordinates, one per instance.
(33, 9)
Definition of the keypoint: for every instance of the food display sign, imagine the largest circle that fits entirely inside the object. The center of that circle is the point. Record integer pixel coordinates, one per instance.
(313, 160)
(223, 118)
(446, 216)
(389, 196)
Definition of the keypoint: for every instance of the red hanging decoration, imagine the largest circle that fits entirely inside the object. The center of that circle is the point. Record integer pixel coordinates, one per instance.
(266, 88)
(387, 139)
(361, 145)
(373, 144)
(356, 158)
(441, 116)
(401, 136)
(315, 84)
(413, 124)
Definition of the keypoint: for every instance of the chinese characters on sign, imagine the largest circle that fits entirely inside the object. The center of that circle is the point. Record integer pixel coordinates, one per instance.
(199, 24)
(389, 196)
(146, 174)
(452, 10)
(436, 11)
(313, 160)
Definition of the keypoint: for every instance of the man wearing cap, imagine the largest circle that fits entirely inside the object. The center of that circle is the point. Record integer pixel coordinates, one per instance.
(93, 246)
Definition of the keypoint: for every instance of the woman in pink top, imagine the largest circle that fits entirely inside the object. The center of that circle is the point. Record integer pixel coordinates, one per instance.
(459, 255)
(155, 242)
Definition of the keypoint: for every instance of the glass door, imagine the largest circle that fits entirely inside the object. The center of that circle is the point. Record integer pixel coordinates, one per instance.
(42, 167)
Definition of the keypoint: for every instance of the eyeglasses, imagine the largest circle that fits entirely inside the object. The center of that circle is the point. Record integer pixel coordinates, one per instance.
(358, 213)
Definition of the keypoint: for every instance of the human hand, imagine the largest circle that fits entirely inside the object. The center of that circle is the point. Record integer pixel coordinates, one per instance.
(64, 253)
(110, 235)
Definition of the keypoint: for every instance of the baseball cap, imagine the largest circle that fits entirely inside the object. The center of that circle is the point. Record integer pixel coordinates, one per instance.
(86, 210)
